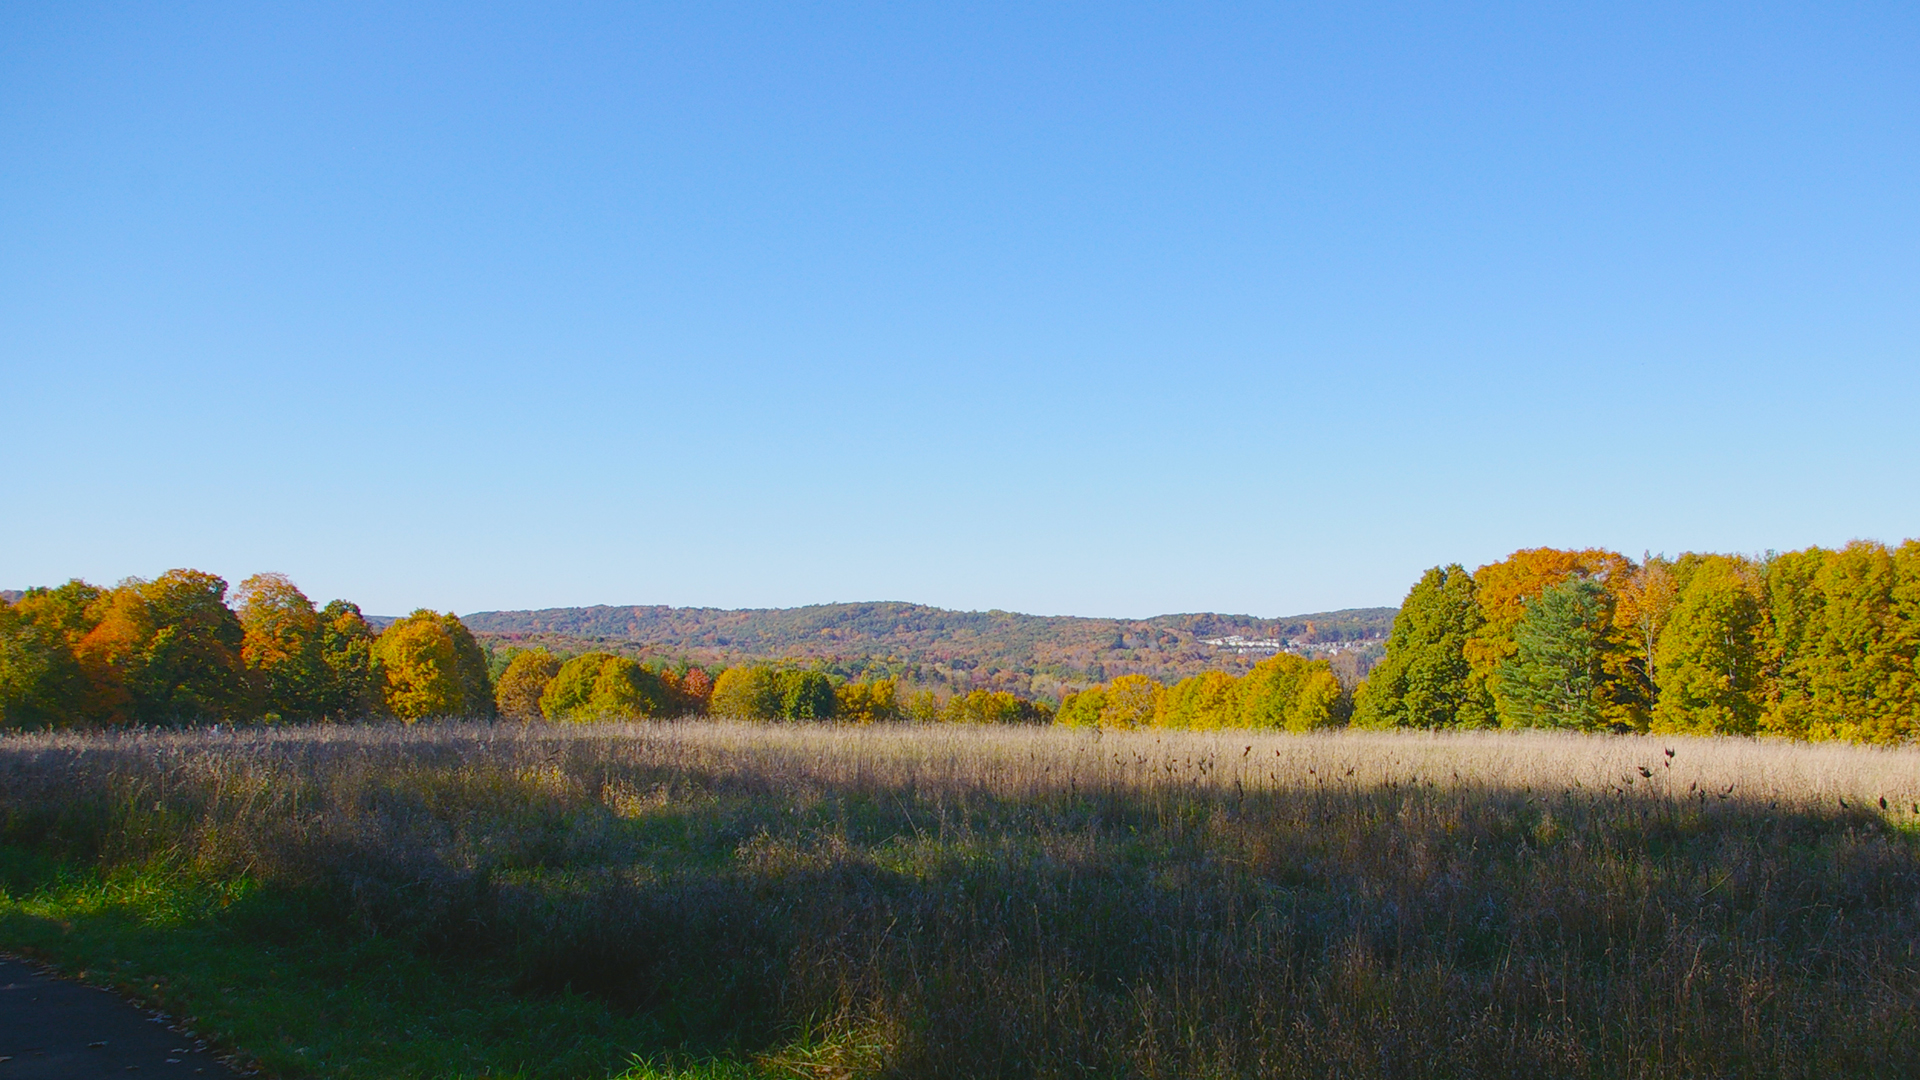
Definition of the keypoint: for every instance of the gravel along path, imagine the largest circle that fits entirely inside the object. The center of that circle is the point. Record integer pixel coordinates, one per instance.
(52, 1029)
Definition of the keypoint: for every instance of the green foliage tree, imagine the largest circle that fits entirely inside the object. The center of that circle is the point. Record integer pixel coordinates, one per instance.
(1082, 708)
(516, 696)
(602, 686)
(354, 682)
(805, 695)
(1425, 680)
(193, 669)
(40, 678)
(1556, 675)
(1708, 656)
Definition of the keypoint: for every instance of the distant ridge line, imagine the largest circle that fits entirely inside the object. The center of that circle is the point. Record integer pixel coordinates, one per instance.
(607, 620)
(994, 647)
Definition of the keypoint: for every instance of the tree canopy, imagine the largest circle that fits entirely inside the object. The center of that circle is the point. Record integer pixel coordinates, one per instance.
(1426, 679)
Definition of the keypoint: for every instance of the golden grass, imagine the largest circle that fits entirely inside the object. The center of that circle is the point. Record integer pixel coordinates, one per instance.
(951, 901)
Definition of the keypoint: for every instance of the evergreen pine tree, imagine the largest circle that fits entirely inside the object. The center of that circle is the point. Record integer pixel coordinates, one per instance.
(1555, 676)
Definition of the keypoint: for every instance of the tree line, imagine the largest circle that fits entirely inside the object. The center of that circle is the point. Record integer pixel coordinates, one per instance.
(1812, 644)
(174, 650)
(1283, 692)
(538, 685)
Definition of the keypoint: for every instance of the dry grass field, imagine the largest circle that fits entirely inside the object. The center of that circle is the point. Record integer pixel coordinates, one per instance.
(969, 902)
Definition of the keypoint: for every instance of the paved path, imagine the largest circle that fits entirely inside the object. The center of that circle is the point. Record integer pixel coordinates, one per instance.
(52, 1029)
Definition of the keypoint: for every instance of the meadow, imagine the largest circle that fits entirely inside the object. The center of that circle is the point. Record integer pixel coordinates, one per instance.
(704, 898)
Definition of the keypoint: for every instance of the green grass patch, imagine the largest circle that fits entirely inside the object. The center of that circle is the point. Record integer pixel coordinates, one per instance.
(271, 975)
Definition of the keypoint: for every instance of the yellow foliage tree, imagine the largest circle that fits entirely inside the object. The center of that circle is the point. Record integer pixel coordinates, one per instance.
(746, 693)
(517, 695)
(991, 707)
(1708, 656)
(40, 680)
(1317, 703)
(1132, 702)
(867, 701)
(1204, 702)
(431, 666)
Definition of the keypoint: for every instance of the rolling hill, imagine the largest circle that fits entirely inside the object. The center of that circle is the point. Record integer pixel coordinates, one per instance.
(1033, 654)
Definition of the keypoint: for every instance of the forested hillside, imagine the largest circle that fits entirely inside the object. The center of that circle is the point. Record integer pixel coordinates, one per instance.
(1001, 650)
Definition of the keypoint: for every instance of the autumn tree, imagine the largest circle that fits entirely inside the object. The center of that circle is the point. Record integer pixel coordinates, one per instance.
(431, 666)
(282, 648)
(867, 701)
(1203, 702)
(1841, 643)
(1282, 692)
(1505, 588)
(1287, 692)
(112, 654)
(1643, 599)
(164, 651)
(517, 694)
(1793, 606)
(1708, 656)
(1131, 702)
(762, 692)
(1319, 702)
(696, 691)
(921, 707)
(746, 693)
(993, 707)
(1425, 679)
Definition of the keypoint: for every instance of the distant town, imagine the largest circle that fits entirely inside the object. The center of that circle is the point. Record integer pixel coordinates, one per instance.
(1244, 646)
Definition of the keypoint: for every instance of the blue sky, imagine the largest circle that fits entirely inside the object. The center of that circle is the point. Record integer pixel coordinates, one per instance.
(1087, 309)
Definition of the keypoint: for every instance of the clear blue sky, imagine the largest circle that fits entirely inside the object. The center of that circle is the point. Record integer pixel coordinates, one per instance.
(1090, 309)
